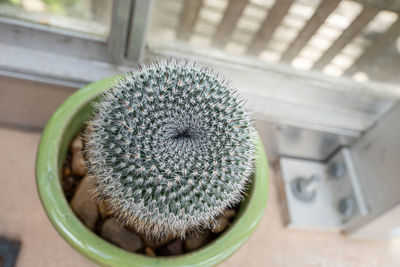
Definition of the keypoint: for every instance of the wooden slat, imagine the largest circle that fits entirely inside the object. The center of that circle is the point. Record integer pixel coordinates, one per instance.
(189, 15)
(358, 24)
(267, 28)
(311, 27)
(387, 39)
(228, 23)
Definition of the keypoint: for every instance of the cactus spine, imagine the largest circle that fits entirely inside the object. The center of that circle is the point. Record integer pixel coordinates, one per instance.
(170, 147)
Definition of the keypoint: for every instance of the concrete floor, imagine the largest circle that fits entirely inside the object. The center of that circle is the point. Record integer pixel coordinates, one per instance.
(22, 218)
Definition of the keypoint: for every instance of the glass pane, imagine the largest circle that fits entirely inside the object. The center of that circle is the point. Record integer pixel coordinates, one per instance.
(86, 16)
(336, 38)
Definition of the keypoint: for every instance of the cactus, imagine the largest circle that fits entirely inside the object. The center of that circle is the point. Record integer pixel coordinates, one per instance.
(170, 147)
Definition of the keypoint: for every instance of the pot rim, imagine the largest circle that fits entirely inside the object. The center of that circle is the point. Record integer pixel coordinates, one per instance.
(48, 171)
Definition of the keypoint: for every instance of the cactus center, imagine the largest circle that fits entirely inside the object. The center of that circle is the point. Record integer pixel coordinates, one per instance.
(183, 134)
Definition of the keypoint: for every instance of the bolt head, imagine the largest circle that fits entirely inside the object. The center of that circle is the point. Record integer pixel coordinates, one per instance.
(337, 169)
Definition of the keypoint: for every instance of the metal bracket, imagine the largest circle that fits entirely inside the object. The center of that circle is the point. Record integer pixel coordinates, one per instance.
(324, 195)
(359, 189)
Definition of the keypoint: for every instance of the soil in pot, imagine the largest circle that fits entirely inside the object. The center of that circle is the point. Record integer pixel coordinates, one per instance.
(76, 189)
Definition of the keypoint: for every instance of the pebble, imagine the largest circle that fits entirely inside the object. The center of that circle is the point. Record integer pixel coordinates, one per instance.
(173, 248)
(67, 171)
(77, 143)
(194, 242)
(229, 214)
(221, 224)
(77, 161)
(155, 243)
(83, 206)
(103, 210)
(69, 184)
(149, 252)
(119, 235)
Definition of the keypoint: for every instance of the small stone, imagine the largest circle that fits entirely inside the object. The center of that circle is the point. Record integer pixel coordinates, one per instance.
(229, 214)
(173, 248)
(78, 163)
(103, 210)
(149, 252)
(83, 206)
(77, 143)
(119, 235)
(220, 225)
(69, 184)
(67, 171)
(194, 242)
(155, 243)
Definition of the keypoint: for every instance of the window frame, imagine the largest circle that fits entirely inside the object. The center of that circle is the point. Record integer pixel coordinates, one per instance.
(74, 59)
(125, 44)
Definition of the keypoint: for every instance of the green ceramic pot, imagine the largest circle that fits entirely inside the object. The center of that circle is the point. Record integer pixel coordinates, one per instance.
(61, 128)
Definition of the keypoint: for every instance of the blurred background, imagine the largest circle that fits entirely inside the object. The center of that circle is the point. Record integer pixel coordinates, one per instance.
(321, 77)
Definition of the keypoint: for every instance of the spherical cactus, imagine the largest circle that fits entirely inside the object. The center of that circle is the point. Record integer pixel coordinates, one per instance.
(170, 147)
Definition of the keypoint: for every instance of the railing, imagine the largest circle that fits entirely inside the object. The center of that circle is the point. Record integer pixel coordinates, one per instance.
(338, 37)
